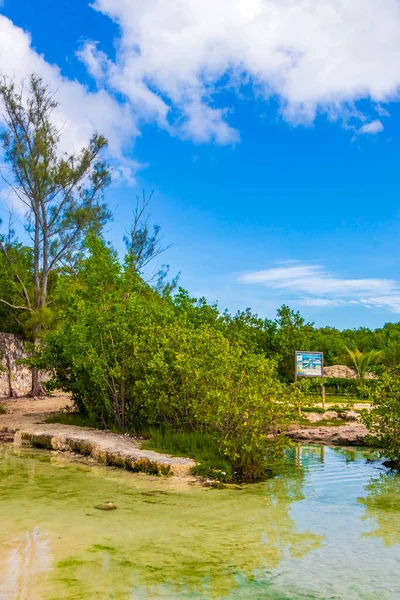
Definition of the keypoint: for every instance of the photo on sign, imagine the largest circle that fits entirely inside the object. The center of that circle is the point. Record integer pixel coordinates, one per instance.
(309, 364)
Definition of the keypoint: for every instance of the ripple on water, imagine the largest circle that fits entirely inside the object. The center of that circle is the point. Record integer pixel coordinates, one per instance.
(327, 527)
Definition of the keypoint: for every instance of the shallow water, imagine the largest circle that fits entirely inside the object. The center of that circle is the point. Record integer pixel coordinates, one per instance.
(328, 527)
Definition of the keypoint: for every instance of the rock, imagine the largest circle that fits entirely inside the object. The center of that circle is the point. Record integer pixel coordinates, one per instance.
(106, 506)
(329, 415)
(345, 372)
(214, 484)
(6, 436)
(316, 417)
(16, 378)
(313, 417)
(342, 435)
(292, 427)
(350, 415)
(107, 448)
(341, 371)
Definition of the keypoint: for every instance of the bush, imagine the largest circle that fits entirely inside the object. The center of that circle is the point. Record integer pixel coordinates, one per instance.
(383, 420)
(2, 410)
(70, 418)
(338, 386)
(131, 359)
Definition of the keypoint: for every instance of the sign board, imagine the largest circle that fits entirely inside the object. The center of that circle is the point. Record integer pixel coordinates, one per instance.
(309, 364)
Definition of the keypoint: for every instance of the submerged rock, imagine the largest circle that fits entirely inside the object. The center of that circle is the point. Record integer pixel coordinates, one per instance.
(106, 506)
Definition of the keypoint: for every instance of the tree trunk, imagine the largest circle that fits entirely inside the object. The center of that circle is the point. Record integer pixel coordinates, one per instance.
(123, 393)
(37, 389)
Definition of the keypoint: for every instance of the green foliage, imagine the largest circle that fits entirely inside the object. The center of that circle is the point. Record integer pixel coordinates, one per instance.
(292, 334)
(71, 418)
(201, 447)
(338, 386)
(362, 362)
(383, 420)
(16, 268)
(2, 410)
(133, 358)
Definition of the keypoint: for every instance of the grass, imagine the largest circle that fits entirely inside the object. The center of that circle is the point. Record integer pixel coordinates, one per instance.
(319, 410)
(323, 423)
(199, 446)
(2, 410)
(71, 418)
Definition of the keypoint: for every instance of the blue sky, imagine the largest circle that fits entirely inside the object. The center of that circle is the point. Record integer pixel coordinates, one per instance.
(268, 130)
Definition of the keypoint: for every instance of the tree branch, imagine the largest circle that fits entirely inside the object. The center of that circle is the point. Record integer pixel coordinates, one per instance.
(16, 307)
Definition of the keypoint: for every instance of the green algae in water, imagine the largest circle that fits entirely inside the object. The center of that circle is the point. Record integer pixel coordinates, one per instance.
(327, 527)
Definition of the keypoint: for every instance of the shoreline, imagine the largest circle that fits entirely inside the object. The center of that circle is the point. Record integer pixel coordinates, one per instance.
(24, 425)
(353, 434)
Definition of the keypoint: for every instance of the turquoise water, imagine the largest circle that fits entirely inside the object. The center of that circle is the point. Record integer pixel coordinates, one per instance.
(327, 527)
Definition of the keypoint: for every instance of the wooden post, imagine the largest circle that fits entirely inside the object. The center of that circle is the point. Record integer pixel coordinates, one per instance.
(298, 402)
(323, 396)
(295, 380)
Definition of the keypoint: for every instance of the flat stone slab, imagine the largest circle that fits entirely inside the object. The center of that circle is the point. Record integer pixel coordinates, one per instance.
(23, 424)
(341, 435)
(107, 448)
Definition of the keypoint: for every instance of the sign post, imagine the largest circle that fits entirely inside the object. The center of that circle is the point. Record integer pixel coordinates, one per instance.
(309, 364)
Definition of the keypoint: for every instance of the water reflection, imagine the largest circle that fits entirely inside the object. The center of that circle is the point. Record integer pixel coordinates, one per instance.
(168, 539)
(382, 504)
(22, 563)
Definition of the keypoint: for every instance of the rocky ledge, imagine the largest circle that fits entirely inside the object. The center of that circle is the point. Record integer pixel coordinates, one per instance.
(24, 424)
(107, 448)
(341, 435)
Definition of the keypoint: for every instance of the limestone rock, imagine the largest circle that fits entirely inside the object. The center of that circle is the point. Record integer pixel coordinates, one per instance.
(106, 506)
(329, 415)
(342, 435)
(350, 415)
(15, 379)
(344, 372)
(313, 417)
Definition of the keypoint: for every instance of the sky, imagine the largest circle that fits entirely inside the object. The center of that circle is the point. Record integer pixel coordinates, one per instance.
(268, 130)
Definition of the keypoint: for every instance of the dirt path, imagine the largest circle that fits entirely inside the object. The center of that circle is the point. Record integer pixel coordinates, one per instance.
(34, 407)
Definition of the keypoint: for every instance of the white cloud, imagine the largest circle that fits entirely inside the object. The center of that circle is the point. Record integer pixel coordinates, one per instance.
(313, 285)
(173, 60)
(312, 55)
(373, 127)
(13, 203)
(81, 112)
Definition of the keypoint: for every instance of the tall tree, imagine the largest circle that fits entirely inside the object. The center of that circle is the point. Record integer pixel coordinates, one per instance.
(293, 333)
(144, 244)
(62, 193)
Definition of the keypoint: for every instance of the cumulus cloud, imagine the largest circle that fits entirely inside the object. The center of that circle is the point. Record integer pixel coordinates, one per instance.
(313, 285)
(173, 60)
(81, 112)
(312, 56)
(373, 127)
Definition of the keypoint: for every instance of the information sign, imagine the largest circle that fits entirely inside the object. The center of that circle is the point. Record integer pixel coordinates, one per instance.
(309, 364)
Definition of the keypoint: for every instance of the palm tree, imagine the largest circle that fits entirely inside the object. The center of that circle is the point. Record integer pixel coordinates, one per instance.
(363, 361)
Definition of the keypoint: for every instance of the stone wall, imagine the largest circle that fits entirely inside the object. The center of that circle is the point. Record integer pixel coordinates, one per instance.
(11, 351)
